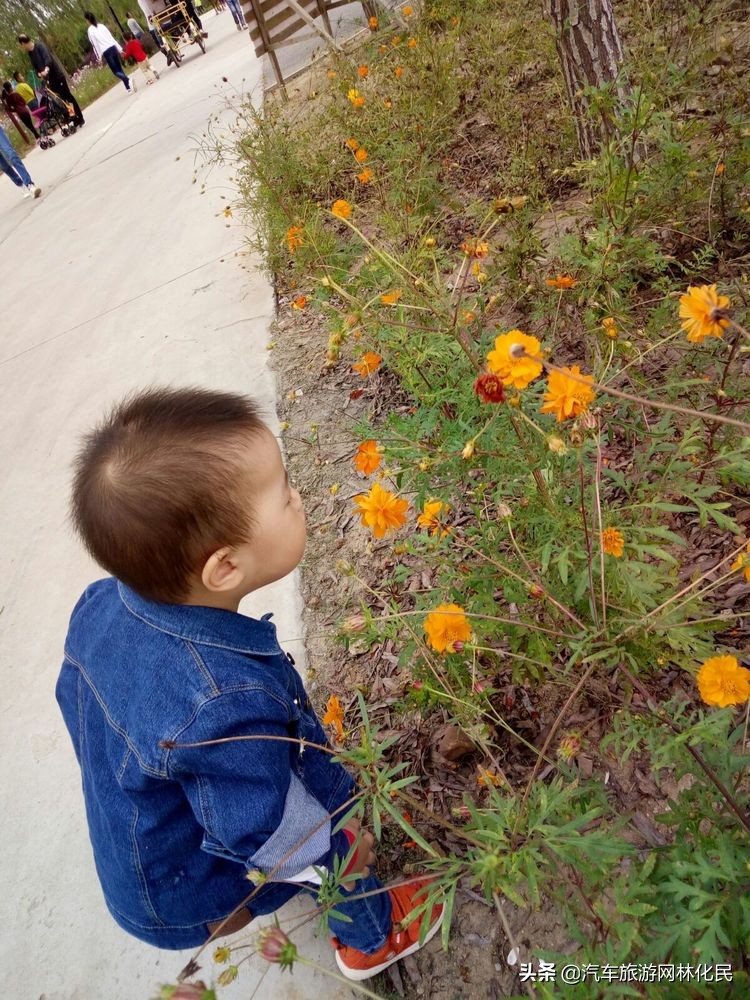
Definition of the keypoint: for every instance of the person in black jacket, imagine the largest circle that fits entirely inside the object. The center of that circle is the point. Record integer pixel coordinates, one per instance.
(48, 69)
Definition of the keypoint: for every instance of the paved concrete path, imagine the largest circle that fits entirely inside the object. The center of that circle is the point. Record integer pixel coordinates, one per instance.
(122, 275)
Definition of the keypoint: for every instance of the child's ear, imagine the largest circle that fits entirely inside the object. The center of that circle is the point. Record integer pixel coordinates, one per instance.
(222, 572)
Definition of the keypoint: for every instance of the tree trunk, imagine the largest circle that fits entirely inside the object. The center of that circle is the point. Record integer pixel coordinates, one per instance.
(590, 51)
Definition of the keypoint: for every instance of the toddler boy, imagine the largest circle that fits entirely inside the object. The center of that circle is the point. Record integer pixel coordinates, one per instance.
(182, 495)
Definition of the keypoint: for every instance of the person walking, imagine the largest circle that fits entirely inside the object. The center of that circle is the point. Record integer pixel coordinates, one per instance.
(107, 49)
(49, 70)
(12, 165)
(14, 104)
(135, 29)
(134, 50)
(237, 15)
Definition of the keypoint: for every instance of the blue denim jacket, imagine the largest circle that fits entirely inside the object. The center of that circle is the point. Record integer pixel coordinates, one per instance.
(174, 830)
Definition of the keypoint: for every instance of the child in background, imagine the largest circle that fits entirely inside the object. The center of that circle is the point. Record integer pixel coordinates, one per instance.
(134, 50)
(182, 495)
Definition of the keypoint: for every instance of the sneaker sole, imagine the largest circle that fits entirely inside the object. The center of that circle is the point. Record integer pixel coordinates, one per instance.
(359, 975)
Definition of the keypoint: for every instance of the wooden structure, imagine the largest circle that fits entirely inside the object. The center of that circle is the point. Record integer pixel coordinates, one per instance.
(275, 23)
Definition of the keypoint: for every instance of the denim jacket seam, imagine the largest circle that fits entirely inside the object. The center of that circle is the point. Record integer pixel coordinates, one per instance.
(124, 764)
(142, 882)
(111, 722)
(155, 926)
(206, 812)
(80, 713)
(200, 642)
(236, 689)
(202, 667)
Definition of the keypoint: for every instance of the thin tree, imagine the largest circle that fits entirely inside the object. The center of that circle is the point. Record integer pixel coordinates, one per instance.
(591, 55)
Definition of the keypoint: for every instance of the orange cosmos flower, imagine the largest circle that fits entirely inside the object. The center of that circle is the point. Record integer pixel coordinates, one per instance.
(432, 513)
(486, 778)
(455, 21)
(334, 716)
(382, 49)
(407, 11)
(412, 43)
(355, 97)
(398, 72)
(474, 248)
(565, 397)
(341, 208)
(294, 238)
(562, 281)
(489, 388)
(331, 74)
(613, 542)
(381, 511)
(365, 176)
(352, 144)
(396, 40)
(445, 626)
(368, 457)
(391, 298)
(387, 104)
(300, 302)
(743, 562)
(722, 681)
(373, 22)
(509, 362)
(362, 71)
(702, 312)
(370, 363)
(361, 155)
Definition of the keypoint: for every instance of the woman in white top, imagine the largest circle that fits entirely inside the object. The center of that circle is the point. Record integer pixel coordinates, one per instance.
(106, 48)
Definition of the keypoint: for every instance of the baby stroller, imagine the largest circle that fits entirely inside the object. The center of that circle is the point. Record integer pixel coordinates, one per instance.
(53, 113)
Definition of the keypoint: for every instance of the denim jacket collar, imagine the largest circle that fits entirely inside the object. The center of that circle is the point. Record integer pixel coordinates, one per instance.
(209, 626)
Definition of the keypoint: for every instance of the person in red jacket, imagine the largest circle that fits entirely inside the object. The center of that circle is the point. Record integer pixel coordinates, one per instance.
(14, 104)
(134, 50)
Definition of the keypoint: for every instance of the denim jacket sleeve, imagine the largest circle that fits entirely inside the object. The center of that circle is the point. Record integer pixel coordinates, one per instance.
(246, 793)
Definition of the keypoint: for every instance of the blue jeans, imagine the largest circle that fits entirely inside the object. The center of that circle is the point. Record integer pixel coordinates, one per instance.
(370, 917)
(112, 58)
(11, 163)
(236, 11)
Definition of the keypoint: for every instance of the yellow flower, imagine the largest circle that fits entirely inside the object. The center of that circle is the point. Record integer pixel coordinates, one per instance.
(334, 716)
(373, 23)
(361, 155)
(561, 282)
(475, 248)
(222, 955)
(486, 778)
(294, 238)
(362, 71)
(433, 512)
(701, 311)
(720, 168)
(370, 363)
(341, 208)
(469, 448)
(391, 298)
(565, 397)
(743, 562)
(352, 144)
(228, 976)
(610, 327)
(331, 74)
(368, 458)
(722, 681)
(445, 626)
(355, 97)
(381, 510)
(396, 40)
(508, 359)
(365, 176)
(228, 212)
(613, 542)
(387, 104)
(412, 43)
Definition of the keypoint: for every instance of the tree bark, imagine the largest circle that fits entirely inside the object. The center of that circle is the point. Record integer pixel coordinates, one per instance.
(590, 51)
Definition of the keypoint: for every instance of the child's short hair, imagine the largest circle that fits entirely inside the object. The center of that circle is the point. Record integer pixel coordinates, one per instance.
(162, 483)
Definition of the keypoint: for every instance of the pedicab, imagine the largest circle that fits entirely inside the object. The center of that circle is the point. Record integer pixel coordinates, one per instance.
(173, 21)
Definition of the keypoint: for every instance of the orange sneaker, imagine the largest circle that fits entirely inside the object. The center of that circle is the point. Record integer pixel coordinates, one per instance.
(402, 941)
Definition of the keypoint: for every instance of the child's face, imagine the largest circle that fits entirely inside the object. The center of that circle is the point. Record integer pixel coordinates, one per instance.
(277, 528)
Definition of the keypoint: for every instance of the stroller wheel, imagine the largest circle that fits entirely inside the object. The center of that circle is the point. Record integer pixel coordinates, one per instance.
(64, 130)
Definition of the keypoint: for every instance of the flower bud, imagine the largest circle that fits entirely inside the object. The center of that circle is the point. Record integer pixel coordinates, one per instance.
(276, 947)
(556, 445)
(503, 510)
(357, 623)
(468, 449)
